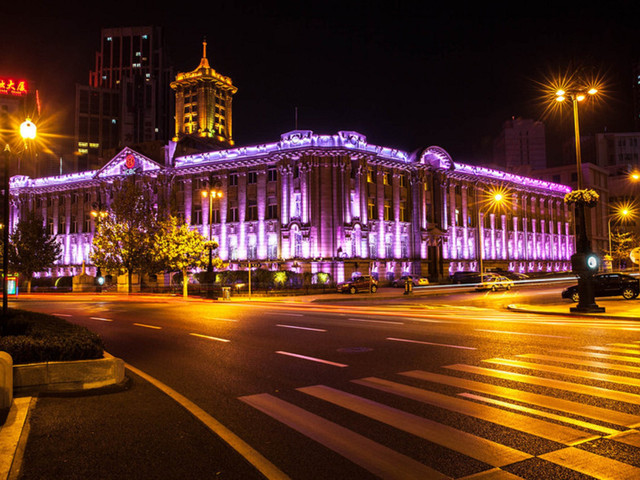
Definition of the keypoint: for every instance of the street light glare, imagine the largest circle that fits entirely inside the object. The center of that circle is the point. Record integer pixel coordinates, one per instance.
(28, 129)
(580, 97)
(592, 91)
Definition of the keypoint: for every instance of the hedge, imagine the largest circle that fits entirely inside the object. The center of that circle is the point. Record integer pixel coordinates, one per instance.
(31, 337)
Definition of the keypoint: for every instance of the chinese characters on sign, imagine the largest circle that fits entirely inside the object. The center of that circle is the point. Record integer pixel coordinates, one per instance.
(13, 87)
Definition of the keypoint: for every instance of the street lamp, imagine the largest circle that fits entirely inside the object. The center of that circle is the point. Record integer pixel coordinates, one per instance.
(211, 194)
(28, 131)
(583, 262)
(621, 214)
(495, 200)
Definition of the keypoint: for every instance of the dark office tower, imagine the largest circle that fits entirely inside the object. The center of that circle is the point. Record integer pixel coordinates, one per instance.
(128, 100)
(636, 96)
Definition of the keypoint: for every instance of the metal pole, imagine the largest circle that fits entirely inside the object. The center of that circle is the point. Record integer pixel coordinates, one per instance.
(480, 244)
(210, 266)
(576, 125)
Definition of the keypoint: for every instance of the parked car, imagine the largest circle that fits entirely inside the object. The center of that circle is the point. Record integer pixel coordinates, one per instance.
(418, 281)
(608, 285)
(465, 277)
(495, 282)
(515, 275)
(359, 284)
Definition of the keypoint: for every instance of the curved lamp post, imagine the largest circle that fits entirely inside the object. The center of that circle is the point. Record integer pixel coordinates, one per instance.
(28, 131)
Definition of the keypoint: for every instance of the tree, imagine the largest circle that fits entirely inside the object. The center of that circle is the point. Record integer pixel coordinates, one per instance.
(123, 239)
(31, 248)
(177, 247)
(621, 245)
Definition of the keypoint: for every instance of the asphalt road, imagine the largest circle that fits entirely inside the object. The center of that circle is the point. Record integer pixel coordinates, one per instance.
(449, 384)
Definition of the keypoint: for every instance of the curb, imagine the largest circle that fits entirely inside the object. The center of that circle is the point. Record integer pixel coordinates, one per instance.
(516, 308)
(72, 376)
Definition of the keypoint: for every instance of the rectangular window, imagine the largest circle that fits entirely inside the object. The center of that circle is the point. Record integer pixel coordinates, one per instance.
(272, 175)
(272, 209)
(74, 225)
(233, 213)
(369, 175)
(386, 178)
(252, 177)
(87, 223)
(252, 211)
(403, 180)
(388, 212)
(371, 209)
(197, 216)
(215, 215)
(233, 179)
(403, 212)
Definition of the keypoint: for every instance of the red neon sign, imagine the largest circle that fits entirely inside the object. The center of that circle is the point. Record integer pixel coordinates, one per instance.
(9, 86)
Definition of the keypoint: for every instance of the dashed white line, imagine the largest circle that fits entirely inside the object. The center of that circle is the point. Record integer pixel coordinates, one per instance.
(100, 319)
(430, 343)
(301, 328)
(61, 314)
(144, 325)
(313, 359)
(518, 333)
(222, 319)
(208, 337)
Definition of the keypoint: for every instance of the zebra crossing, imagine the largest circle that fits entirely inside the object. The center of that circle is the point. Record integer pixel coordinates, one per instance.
(512, 417)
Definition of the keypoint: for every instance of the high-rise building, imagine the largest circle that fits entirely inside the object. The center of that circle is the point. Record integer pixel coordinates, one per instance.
(203, 105)
(128, 100)
(520, 147)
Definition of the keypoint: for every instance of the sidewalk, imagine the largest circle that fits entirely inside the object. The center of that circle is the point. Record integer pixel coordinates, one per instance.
(131, 432)
(138, 431)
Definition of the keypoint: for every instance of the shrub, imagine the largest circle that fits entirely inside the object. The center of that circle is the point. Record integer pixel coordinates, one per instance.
(31, 337)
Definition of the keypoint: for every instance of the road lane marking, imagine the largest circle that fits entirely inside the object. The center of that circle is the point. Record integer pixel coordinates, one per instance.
(630, 437)
(144, 325)
(374, 321)
(550, 383)
(591, 464)
(492, 474)
(479, 448)
(621, 358)
(429, 343)
(586, 363)
(614, 350)
(264, 466)
(603, 377)
(631, 345)
(100, 319)
(61, 314)
(552, 403)
(217, 339)
(540, 413)
(313, 359)
(301, 328)
(515, 421)
(221, 319)
(519, 333)
(382, 461)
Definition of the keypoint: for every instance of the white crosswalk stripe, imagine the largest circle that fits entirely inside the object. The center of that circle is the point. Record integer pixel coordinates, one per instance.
(528, 406)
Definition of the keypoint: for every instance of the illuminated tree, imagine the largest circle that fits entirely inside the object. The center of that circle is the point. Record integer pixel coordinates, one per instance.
(31, 248)
(178, 248)
(123, 239)
(621, 245)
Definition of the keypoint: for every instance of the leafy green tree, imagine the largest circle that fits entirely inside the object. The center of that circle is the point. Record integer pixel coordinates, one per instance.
(31, 248)
(123, 239)
(178, 248)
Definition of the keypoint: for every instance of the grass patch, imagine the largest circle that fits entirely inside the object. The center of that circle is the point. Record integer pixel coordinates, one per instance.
(31, 337)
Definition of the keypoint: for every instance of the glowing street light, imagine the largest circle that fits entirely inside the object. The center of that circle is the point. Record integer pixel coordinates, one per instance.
(495, 200)
(211, 194)
(623, 212)
(28, 131)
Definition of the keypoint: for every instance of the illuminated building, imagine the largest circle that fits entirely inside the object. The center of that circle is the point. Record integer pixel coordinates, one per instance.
(328, 203)
(203, 104)
(315, 203)
(128, 100)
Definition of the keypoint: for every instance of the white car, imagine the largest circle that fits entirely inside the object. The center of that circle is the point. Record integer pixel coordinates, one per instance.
(494, 283)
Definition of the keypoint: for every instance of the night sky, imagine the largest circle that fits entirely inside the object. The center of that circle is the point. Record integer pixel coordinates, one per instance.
(404, 75)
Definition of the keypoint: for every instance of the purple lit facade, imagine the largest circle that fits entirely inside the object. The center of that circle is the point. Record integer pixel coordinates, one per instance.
(326, 203)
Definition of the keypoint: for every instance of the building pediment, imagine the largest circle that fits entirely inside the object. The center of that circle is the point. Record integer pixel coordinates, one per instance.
(128, 162)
